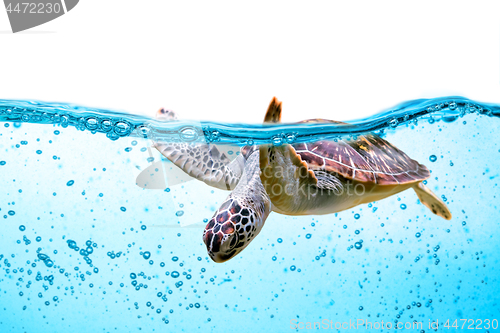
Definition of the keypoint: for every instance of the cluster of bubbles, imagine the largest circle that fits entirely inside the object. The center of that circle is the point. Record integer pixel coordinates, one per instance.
(46, 259)
(179, 277)
(85, 252)
(113, 255)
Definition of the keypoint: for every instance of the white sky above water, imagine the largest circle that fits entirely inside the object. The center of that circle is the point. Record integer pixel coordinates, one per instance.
(224, 60)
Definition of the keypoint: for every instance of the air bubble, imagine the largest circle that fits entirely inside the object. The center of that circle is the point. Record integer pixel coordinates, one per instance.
(92, 123)
(277, 141)
(122, 128)
(188, 134)
(393, 123)
(213, 136)
(106, 125)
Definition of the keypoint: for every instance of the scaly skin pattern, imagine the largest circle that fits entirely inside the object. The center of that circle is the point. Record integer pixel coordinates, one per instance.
(200, 160)
(241, 217)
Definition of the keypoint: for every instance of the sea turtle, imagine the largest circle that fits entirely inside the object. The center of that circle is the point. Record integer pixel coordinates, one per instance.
(314, 178)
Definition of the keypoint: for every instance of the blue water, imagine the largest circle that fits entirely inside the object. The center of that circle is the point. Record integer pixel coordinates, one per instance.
(84, 249)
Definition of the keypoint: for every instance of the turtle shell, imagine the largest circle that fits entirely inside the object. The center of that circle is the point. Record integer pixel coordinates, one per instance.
(369, 158)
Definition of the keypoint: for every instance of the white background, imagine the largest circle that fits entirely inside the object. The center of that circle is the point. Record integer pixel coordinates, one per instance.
(225, 60)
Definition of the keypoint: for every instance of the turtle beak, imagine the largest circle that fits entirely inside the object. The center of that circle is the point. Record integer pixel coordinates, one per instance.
(221, 257)
(219, 250)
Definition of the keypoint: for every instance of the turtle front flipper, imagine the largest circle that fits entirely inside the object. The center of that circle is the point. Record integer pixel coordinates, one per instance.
(202, 161)
(431, 201)
(286, 178)
(241, 217)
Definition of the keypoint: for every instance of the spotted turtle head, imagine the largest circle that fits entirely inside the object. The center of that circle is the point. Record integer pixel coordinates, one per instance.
(233, 227)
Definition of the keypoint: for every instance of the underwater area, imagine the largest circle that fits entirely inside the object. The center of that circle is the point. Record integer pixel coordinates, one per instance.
(101, 233)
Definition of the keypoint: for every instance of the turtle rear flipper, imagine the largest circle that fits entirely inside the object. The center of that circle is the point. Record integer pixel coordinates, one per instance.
(273, 114)
(431, 201)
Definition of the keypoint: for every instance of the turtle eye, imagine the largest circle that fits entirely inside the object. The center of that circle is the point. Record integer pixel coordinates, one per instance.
(234, 240)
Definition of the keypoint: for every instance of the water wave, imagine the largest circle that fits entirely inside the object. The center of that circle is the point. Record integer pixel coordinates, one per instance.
(120, 124)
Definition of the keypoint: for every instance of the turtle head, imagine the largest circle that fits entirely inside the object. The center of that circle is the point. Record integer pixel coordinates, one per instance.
(235, 225)
(241, 217)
